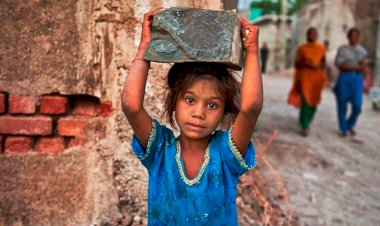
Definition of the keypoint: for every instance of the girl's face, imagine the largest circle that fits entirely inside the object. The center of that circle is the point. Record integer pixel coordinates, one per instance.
(199, 109)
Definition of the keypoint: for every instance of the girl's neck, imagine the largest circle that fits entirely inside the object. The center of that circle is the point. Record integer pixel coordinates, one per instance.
(194, 144)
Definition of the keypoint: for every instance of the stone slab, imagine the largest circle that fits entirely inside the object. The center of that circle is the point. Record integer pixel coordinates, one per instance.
(187, 34)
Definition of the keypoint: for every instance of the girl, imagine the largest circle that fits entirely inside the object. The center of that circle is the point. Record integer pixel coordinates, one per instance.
(193, 178)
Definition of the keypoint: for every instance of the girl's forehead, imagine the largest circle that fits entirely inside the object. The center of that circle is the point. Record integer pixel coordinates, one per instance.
(205, 82)
(205, 87)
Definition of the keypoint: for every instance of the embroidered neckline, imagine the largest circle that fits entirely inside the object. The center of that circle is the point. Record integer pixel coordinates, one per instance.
(201, 170)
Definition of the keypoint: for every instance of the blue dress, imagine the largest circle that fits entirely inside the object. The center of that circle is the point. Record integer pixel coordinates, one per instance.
(207, 199)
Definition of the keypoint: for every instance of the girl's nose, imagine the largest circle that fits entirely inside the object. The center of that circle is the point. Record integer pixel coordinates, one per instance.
(198, 111)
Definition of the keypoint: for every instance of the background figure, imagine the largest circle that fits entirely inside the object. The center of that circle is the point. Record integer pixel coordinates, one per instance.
(264, 55)
(309, 79)
(351, 60)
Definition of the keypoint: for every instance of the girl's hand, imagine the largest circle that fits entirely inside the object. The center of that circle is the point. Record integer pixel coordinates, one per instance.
(146, 32)
(250, 35)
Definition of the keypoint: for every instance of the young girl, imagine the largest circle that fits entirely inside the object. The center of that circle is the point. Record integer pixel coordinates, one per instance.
(193, 177)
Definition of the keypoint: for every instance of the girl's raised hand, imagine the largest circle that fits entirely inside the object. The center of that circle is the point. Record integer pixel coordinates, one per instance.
(146, 32)
(250, 36)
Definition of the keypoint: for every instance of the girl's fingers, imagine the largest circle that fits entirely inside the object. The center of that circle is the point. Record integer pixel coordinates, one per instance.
(153, 12)
(243, 27)
(146, 25)
(245, 24)
(156, 10)
(148, 17)
(247, 28)
(244, 21)
(249, 34)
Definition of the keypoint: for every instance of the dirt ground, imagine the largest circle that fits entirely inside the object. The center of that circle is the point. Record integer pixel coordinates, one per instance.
(330, 180)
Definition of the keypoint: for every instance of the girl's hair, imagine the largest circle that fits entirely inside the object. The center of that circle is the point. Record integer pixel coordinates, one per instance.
(182, 75)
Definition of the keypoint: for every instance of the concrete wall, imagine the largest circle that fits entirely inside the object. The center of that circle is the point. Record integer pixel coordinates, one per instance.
(65, 156)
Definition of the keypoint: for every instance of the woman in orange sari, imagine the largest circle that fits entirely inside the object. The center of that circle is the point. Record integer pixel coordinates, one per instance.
(309, 79)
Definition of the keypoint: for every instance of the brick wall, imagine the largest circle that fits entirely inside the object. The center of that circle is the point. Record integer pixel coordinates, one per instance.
(50, 123)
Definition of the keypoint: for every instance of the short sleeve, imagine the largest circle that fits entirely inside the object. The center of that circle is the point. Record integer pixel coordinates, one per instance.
(237, 163)
(339, 57)
(153, 154)
(362, 52)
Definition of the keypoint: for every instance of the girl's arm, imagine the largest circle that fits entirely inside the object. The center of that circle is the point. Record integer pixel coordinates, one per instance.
(132, 97)
(251, 90)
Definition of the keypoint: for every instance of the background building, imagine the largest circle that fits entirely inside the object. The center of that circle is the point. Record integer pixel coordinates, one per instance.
(283, 28)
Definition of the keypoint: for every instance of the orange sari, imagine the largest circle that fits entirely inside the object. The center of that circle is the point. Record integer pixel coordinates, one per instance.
(308, 82)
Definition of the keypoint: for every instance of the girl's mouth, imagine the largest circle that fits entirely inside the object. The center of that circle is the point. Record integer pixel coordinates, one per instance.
(193, 126)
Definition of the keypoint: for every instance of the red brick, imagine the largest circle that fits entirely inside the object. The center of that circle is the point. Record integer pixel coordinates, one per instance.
(1, 144)
(53, 105)
(105, 108)
(50, 144)
(21, 104)
(86, 106)
(25, 125)
(2, 103)
(72, 126)
(75, 142)
(18, 144)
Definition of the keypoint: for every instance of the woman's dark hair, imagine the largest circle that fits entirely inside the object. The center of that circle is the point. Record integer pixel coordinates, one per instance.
(308, 32)
(182, 75)
(352, 30)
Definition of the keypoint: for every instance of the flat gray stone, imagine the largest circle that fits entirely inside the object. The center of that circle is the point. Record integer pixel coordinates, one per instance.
(187, 34)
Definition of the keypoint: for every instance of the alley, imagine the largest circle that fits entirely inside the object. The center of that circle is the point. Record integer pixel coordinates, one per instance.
(330, 180)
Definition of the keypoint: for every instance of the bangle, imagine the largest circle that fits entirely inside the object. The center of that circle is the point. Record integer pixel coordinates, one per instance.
(141, 60)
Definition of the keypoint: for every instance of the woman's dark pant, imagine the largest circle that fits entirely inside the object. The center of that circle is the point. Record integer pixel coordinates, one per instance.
(306, 114)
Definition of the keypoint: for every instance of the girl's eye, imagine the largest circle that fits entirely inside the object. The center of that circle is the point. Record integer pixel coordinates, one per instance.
(189, 100)
(211, 106)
